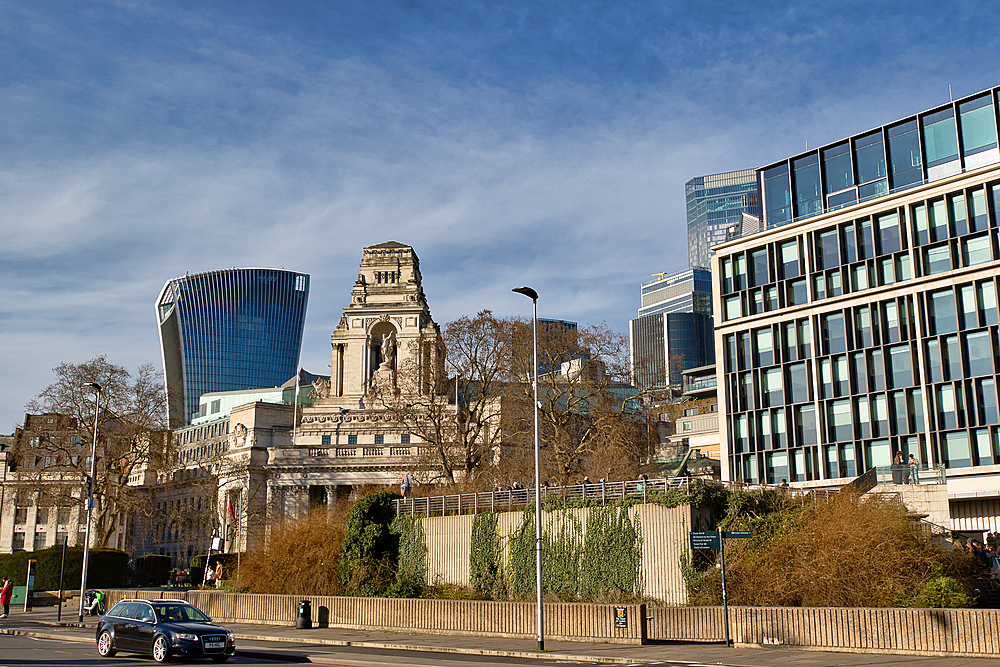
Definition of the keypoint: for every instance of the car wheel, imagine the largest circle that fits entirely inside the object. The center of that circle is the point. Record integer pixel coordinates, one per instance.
(106, 645)
(161, 649)
(220, 658)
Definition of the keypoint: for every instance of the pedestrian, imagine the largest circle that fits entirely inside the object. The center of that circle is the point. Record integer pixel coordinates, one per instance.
(5, 592)
(405, 485)
(210, 577)
(914, 467)
(218, 573)
(899, 468)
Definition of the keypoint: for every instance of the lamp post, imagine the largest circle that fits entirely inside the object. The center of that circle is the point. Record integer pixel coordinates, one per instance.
(533, 295)
(90, 495)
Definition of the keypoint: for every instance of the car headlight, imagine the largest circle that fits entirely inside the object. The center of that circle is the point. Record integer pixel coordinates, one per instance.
(186, 636)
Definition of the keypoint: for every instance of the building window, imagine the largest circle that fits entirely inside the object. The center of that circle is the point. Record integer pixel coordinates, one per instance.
(326, 440)
(17, 544)
(21, 515)
(380, 439)
(404, 439)
(352, 439)
(39, 542)
(956, 450)
(834, 339)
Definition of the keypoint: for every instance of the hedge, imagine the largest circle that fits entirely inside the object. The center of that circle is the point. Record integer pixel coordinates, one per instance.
(107, 568)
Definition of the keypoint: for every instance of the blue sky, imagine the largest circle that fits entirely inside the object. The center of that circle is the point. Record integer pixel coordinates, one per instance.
(539, 143)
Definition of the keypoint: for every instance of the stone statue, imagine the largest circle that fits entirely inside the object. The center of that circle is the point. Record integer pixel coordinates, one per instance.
(321, 388)
(388, 352)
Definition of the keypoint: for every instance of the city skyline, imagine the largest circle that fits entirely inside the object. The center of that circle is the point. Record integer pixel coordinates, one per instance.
(541, 144)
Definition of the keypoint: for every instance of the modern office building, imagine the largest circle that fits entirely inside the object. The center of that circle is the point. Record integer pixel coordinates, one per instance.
(714, 204)
(228, 330)
(674, 330)
(863, 319)
(687, 291)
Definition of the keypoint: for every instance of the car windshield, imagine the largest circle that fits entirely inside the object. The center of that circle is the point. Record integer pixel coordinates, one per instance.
(180, 613)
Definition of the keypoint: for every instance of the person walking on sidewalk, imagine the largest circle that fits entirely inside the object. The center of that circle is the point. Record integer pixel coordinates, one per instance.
(5, 592)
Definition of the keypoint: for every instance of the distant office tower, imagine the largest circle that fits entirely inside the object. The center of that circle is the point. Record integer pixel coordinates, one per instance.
(715, 203)
(687, 291)
(674, 330)
(228, 330)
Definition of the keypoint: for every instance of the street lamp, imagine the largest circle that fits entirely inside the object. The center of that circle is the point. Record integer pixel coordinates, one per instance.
(533, 295)
(90, 496)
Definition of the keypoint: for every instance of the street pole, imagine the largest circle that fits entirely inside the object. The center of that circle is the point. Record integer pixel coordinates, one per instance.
(533, 295)
(90, 497)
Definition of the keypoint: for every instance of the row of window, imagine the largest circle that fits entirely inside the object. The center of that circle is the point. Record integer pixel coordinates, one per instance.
(926, 147)
(959, 309)
(44, 515)
(352, 439)
(947, 233)
(40, 540)
(190, 435)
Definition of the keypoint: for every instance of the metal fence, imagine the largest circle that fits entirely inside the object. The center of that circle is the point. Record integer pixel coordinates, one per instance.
(510, 499)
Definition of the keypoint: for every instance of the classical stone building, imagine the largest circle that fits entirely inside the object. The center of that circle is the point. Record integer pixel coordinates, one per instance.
(267, 461)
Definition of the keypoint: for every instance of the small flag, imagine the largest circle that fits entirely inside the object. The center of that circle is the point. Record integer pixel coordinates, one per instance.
(232, 514)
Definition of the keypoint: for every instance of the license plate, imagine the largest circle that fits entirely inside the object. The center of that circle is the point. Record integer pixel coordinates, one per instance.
(215, 644)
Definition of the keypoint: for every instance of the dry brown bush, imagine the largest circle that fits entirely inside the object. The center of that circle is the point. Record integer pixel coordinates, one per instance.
(301, 557)
(848, 552)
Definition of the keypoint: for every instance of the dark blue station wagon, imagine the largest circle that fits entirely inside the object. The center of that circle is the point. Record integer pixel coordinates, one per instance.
(163, 628)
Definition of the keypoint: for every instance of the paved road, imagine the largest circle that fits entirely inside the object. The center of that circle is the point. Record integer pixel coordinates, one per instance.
(285, 645)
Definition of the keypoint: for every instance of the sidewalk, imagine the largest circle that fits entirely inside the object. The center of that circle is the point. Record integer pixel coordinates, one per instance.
(316, 646)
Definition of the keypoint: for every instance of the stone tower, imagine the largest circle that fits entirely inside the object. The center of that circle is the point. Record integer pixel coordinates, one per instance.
(386, 328)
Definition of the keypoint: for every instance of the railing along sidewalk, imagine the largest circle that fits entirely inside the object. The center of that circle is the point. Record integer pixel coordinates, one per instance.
(511, 499)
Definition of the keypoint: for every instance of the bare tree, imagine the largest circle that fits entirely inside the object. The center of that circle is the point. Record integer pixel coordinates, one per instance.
(458, 409)
(583, 390)
(132, 437)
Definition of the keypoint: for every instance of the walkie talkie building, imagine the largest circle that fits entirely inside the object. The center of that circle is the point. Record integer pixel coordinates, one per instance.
(229, 330)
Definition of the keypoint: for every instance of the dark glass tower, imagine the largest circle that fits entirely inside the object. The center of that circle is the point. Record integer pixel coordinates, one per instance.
(229, 330)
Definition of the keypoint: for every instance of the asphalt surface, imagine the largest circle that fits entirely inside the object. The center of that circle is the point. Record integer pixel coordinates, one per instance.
(344, 647)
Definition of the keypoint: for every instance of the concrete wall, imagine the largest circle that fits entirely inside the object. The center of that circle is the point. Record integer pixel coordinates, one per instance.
(956, 632)
(563, 621)
(664, 533)
(967, 632)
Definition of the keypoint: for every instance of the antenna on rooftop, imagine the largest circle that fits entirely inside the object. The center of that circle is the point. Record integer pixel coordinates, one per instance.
(950, 98)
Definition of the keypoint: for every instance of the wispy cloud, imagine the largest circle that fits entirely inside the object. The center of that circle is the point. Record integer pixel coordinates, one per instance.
(511, 143)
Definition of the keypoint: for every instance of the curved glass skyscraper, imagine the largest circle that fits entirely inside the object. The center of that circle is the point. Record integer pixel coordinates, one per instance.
(228, 330)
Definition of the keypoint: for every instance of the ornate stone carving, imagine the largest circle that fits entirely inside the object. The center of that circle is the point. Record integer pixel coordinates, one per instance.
(238, 436)
(321, 388)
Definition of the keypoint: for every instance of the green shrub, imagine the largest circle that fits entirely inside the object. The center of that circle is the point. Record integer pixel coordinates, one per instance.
(370, 552)
(943, 592)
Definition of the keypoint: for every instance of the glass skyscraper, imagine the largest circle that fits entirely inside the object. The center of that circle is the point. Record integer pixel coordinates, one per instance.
(864, 319)
(229, 330)
(673, 331)
(714, 204)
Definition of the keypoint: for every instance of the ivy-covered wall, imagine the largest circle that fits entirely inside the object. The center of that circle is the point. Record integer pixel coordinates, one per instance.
(590, 553)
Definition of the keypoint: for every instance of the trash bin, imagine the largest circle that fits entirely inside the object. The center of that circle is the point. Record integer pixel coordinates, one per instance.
(304, 620)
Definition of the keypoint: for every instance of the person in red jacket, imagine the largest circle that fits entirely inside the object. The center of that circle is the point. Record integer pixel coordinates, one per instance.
(5, 592)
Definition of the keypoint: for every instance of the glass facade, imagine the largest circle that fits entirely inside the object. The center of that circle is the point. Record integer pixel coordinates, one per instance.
(883, 336)
(228, 330)
(666, 344)
(923, 148)
(688, 291)
(715, 203)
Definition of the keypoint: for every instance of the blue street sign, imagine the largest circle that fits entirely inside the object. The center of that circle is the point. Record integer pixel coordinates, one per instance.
(708, 539)
(737, 534)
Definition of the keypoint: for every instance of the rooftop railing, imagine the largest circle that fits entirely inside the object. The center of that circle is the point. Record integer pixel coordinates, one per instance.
(516, 499)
